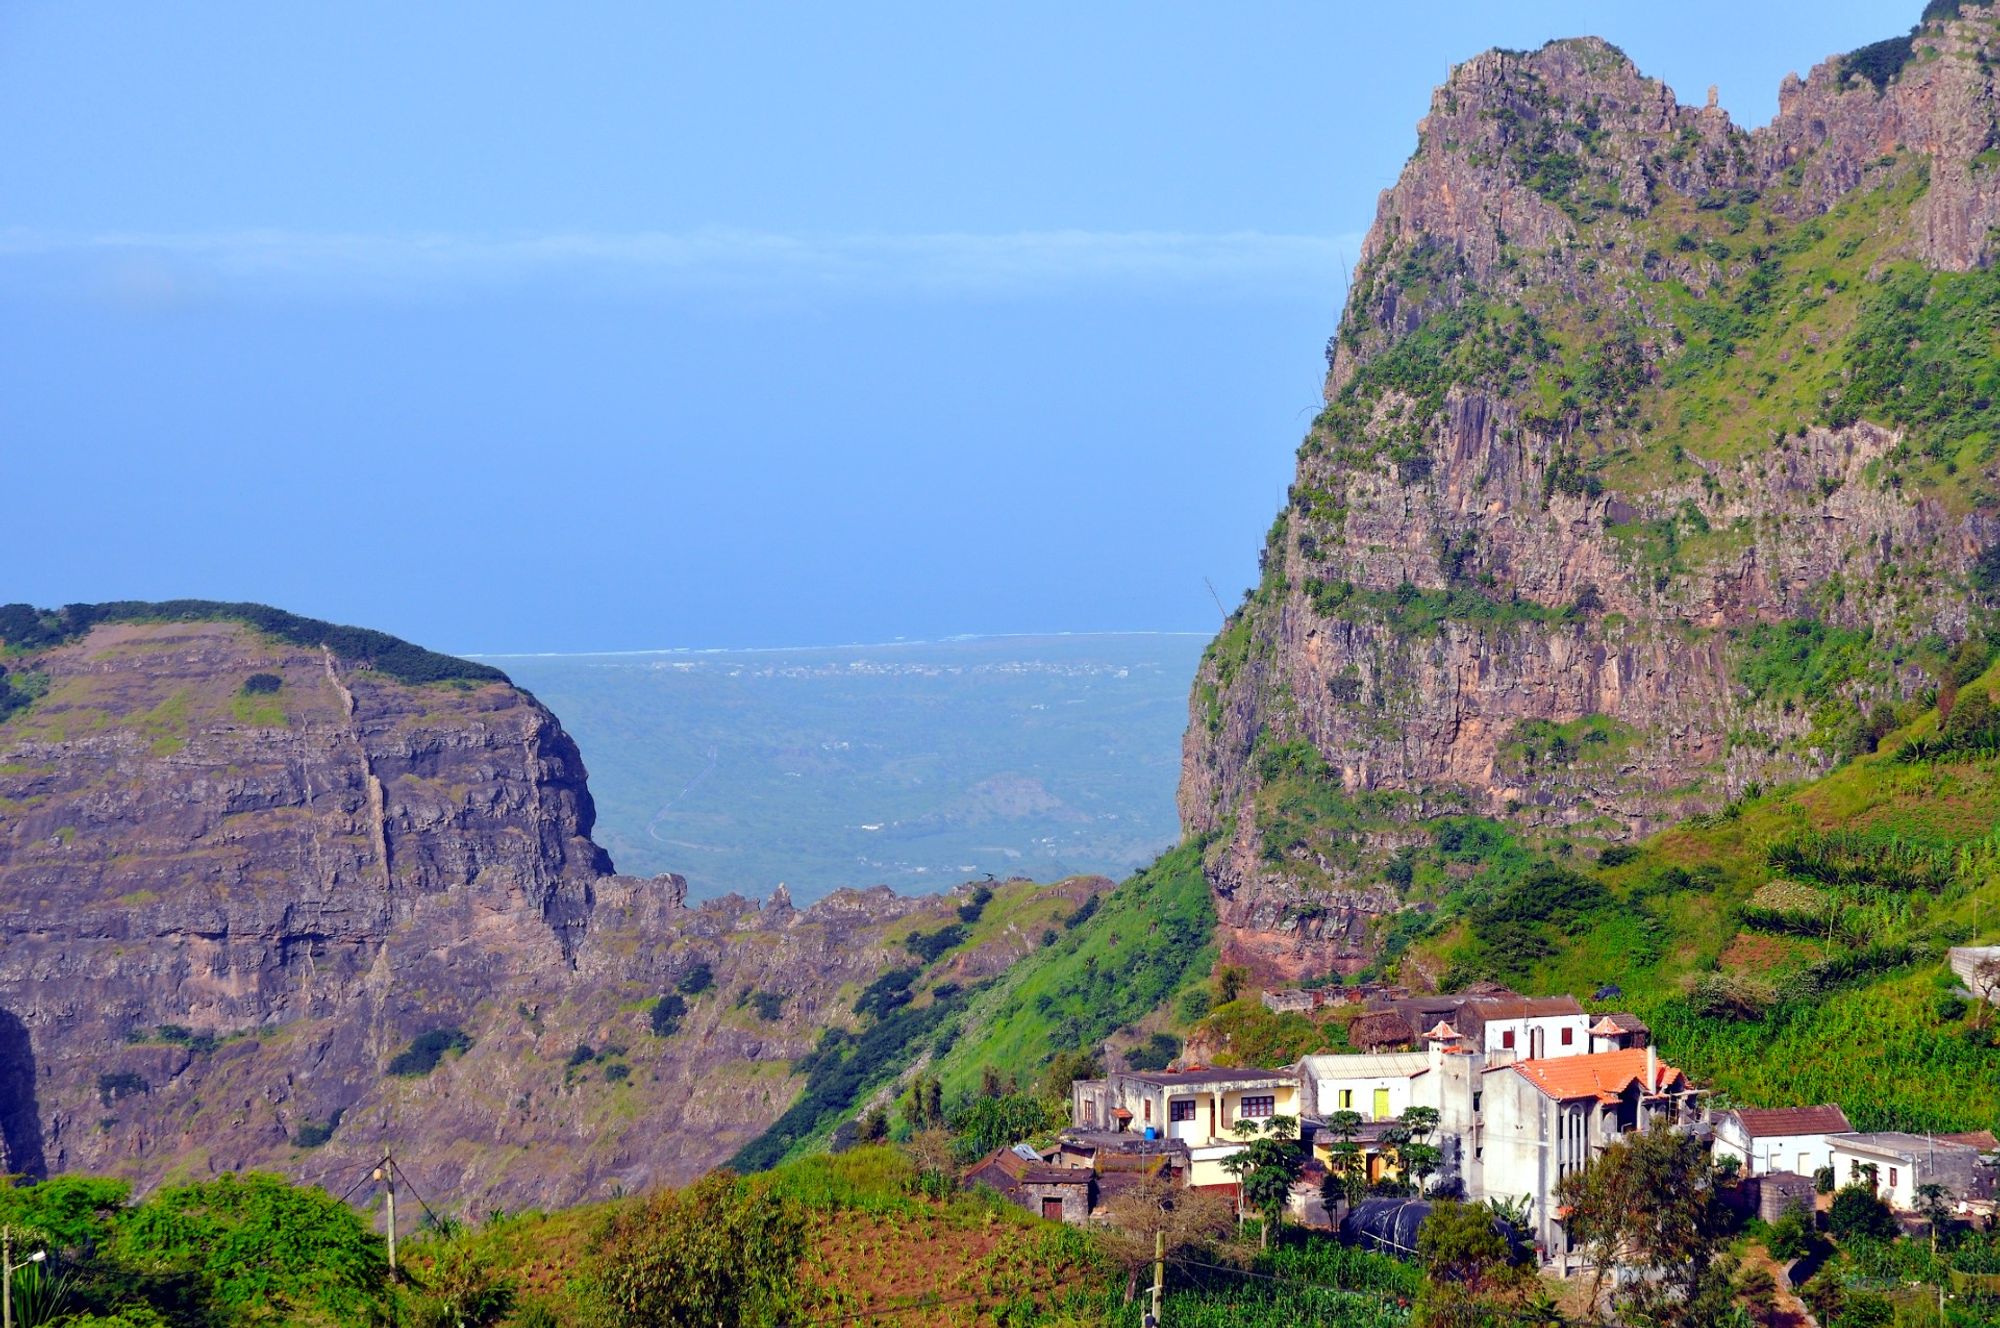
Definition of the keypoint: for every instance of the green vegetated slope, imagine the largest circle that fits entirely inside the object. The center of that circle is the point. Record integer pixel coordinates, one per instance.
(1103, 967)
(1099, 977)
(907, 1013)
(1790, 949)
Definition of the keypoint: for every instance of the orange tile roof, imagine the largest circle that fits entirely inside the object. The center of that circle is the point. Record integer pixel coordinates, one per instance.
(1604, 1075)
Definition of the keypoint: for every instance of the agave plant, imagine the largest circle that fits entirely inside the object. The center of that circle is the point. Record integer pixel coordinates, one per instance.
(40, 1292)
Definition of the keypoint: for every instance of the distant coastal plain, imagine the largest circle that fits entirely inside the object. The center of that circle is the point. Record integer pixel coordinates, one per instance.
(913, 764)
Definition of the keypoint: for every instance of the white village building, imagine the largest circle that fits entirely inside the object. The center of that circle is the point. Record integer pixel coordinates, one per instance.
(1793, 1139)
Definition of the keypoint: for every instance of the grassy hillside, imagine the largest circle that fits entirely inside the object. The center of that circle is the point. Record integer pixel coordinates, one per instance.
(1105, 964)
(1788, 949)
(1103, 971)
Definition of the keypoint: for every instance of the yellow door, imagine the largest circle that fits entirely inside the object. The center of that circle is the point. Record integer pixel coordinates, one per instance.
(1381, 1104)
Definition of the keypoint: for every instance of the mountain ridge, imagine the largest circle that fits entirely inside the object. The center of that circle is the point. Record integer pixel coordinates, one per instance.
(1604, 403)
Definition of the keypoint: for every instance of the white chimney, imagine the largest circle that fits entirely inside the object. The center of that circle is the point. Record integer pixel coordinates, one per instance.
(1652, 1068)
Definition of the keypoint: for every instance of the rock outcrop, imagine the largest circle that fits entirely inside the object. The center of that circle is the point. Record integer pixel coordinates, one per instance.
(230, 905)
(1591, 419)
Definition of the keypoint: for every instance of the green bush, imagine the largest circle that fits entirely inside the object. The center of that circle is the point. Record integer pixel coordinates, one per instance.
(266, 1248)
(928, 946)
(1857, 1214)
(427, 1049)
(1156, 1053)
(886, 993)
(667, 1013)
(262, 684)
(115, 1084)
(312, 1134)
(696, 980)
(720, 1252)
(770, 1005)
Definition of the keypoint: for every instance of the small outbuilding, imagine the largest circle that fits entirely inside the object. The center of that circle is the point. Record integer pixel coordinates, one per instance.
(1058, 1193)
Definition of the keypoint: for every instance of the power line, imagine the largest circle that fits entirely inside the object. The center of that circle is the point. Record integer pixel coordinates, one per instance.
(367, 1174)
(430, 1212)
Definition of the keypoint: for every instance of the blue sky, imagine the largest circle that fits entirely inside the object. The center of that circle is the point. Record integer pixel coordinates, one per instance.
(513, 327)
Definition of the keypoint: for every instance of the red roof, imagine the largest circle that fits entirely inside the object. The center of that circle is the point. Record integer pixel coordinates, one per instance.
(1604, 1075)
(1766, 1123)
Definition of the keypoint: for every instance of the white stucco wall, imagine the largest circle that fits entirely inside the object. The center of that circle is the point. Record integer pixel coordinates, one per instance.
(1549, 1027)
(1803, 1153)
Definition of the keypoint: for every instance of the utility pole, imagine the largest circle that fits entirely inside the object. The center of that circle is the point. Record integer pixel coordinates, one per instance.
(1159, 1276)
(7, 1275)
(386, 1173)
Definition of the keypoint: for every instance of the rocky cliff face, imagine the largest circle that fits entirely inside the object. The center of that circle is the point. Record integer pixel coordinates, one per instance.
(229, 905)
(1615, 511)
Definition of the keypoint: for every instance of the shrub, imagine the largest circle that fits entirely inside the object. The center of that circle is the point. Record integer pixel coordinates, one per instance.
(262, 684)
(1858, 1214)
(426, 1050)
(583, 1055)
(987, 1123)
(1724, 996)
(720, 1252)
(1082, 913)
(928, 946)
(1156, 1053)
(113, 1085)
(461, 1288)
(614, 1074)
(1791, 1235)
(667, 1013)
(886, 993)
(696, 980)
(311, 1134)
(770, 1005)
(1617, 855)
(270, 1251)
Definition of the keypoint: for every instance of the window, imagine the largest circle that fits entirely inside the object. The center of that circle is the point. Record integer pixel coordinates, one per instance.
(1569, 1036)
(1507, 1040)
(1180, 1109)
(1347, 1099)
(1258, 1107)
(1149, 1109)
(1892, 1178)
(1475, 1100)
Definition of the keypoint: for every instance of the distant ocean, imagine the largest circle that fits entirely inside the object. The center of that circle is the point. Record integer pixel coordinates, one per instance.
(918, 764)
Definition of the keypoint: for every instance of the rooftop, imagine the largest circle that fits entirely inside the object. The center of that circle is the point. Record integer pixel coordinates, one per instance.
(1388, 1065)
(1020, 1169)
(1604, 1075)
(1520, 1007)
(1767, 1122)
(1209, 1076)
(1120, 1141)
(1895, 1143)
